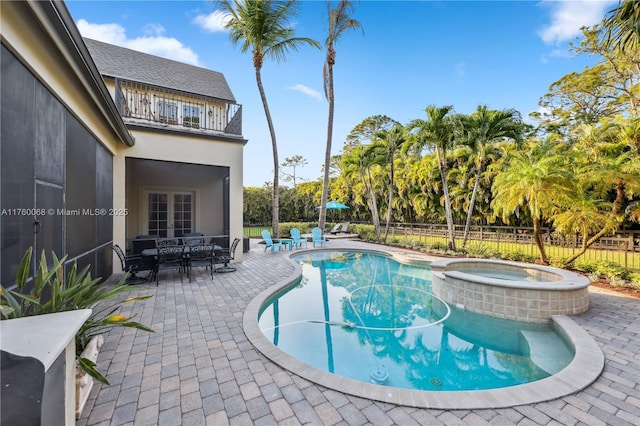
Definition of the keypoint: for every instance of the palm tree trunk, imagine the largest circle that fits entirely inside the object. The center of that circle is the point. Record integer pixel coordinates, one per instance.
(386, 229)
(472, 204)
(276, 190)
(373, 206)
(447, 201)
(327, 153)
(537, 237)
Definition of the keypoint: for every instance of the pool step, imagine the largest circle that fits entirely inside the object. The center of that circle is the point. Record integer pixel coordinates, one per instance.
(547, 350)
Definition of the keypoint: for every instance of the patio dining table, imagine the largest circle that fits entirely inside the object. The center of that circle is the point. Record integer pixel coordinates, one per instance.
(152, 254)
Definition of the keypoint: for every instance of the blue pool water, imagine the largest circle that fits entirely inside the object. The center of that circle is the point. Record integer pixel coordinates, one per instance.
(367, 317)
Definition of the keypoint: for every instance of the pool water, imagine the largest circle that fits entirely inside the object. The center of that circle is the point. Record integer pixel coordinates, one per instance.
(367, 317)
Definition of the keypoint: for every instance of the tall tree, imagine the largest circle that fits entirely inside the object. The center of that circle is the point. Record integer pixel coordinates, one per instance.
(293, 162)
(481, 131)
(436, 133)
(339, 23)
(623, 25)
(609, 170)
(389, 142)
(265, 27)
(538, 180)
(356, 166)
(604, 90)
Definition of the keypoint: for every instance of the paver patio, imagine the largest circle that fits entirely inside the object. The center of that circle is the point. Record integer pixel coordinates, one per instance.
(200, 369)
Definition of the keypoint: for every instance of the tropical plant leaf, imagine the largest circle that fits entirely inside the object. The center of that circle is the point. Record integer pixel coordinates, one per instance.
(22, 274)
(89, 367)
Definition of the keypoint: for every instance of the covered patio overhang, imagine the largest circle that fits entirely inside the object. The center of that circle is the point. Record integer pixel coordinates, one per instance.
(170, 199)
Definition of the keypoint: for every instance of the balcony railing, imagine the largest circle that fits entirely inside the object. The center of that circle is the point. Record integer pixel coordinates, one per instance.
(170, 107)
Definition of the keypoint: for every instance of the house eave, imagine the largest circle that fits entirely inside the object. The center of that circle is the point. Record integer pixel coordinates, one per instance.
(57, 14)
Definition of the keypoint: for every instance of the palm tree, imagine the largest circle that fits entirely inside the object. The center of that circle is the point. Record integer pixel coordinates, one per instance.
(538, 180)
(388, 142)
(481, 131)
(264, 27)
(611, 165)
(436, 133)
(339, 22)
(356, 165)
(622, 25)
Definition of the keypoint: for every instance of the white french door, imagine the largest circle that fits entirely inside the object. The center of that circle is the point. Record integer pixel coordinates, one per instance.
(169, 213)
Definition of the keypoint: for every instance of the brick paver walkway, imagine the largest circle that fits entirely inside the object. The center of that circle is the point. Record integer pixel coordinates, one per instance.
(199, 368)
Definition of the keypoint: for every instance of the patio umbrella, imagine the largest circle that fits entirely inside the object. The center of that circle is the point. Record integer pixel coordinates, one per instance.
(334, 205)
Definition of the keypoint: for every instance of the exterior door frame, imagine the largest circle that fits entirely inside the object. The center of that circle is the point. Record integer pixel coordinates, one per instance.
(143, 220)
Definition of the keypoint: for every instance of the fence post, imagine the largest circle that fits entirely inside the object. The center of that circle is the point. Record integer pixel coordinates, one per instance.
(626, 251)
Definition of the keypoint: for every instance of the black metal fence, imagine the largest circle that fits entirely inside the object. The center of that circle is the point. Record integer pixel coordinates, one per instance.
(622, 248)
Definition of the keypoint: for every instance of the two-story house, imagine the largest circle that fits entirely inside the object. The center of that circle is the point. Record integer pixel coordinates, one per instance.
(184, 173)
(99, 144)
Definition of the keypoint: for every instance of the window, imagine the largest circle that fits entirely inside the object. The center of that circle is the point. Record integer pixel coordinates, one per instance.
(191, 116)
(168, 112)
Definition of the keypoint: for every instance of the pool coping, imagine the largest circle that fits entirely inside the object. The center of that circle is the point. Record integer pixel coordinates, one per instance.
(568, 280)
(584, 369)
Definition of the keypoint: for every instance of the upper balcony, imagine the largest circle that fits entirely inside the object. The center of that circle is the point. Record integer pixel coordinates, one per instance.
(166, 107)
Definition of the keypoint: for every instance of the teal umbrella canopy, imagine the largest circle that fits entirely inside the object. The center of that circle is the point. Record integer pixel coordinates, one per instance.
(334, 205)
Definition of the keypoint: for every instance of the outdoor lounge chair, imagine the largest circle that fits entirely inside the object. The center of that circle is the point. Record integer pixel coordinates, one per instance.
(317, 238)
(266, 236)
(298, 241)
(336, 228)
(340, 228)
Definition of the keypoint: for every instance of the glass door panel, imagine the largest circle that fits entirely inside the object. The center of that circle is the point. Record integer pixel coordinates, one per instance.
(182, 204)
(170, 213)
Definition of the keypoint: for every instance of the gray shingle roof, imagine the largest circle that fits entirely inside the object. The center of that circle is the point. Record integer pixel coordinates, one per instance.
(119, 62)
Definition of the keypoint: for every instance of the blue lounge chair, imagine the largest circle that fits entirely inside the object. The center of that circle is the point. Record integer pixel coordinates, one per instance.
(266, 236)
(298, 241)
(317, 238)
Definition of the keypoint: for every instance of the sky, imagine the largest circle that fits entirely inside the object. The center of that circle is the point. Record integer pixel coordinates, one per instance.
(410, 54)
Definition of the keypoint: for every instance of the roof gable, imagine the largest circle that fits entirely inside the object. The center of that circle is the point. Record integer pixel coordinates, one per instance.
(119, 62)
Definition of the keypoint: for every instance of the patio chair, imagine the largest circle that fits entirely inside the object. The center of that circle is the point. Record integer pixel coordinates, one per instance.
(200, 255)
(170, 256)
(225, 256)
(141, 244)
(298, 241)
(193, 238)
(336, 228)
(340, 228)
(317, 238)
(266, 236)
(132, 265)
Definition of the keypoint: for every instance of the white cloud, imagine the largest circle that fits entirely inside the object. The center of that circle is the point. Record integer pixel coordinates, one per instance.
(154, 42)
(307, 91)
(460, 69)
(568, 16)
(214, 22)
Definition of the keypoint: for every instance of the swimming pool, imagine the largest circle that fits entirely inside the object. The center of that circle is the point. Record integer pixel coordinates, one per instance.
(357, 320)
(370, 318)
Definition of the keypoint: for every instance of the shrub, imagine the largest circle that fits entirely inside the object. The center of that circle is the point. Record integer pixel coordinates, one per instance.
(479, 249)
(52, 293)
(601, 267)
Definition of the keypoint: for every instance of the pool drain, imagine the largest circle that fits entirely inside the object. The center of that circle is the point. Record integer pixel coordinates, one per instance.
(436, 381)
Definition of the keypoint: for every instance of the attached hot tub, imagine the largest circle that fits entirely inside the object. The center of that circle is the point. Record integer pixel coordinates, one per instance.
(511, 290)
